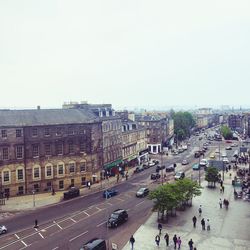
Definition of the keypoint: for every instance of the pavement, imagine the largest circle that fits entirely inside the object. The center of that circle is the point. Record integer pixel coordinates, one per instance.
(230, 229)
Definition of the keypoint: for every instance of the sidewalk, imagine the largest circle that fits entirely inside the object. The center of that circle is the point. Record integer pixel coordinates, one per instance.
(229, 228)
(29, 202)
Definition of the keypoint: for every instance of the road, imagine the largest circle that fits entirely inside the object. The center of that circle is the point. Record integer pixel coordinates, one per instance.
(68, 224)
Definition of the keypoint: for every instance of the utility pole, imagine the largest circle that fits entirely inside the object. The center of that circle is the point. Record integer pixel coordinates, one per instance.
(162, 167)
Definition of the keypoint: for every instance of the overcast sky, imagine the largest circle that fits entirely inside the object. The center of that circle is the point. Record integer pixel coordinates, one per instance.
(128, 53)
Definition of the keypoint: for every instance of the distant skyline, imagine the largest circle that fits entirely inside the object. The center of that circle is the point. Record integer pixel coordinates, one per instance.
(142, 54)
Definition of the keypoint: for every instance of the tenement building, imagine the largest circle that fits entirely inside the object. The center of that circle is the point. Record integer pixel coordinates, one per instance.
(41, 150)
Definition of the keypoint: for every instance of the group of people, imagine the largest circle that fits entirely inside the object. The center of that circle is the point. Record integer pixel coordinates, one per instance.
(203, 222)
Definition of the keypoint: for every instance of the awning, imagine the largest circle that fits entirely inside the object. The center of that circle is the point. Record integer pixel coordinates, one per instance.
(113, 164)
(131, 158)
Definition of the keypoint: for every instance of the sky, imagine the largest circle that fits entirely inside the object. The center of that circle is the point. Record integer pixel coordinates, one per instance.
(145, 54)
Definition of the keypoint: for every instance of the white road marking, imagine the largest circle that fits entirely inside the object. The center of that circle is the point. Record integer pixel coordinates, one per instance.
(109, 204)
(78, 236)
(41, 235)
(55, 248)
(101, 224)
(119, 199)
(57, 224)
(85, 213)
(24, 243)
(98, 208)
(139, 203)
(17, 236)
(73, 220)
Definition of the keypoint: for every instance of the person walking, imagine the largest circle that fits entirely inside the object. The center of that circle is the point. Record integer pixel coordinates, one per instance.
(200, 210)
(157, 240)
(208, 225)
(203, 224)
(159, 228)
(194, 221)
(132, 242)
(220, 189)
(166, 237)
(36, 223)
(223, 188)
(190, 243)
(89, 184)
(220, 203)
(175, 241)
(179, 242)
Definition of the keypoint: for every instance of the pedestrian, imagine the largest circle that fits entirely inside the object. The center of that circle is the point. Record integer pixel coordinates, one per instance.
(200, 210)
(203, 224)
(179, 242)
(220, 203)
(221, 183)
(175, 241)
(157, 240)
(126, 176)
(220, 189)
(223, 188)
(166, 237)
(190, 243)
(208, 225)
(36, 223)
(89, 184)
(194, 221)
(159, 228)
(195, 248)
(132, 242)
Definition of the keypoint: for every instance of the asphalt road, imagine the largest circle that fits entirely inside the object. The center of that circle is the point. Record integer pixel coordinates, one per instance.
(68, 224)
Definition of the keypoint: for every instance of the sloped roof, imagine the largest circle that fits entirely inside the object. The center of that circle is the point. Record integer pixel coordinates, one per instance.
(20, 118)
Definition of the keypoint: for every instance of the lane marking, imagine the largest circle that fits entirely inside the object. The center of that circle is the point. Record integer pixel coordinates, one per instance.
(41, 235)
(98, 208)
(85, 213)
(101, 224)
(109, 204)
(78, 236)
(139, 203)
(73, 220)
(57, 224)
(55, 248)
(24, 243)
(17, 236)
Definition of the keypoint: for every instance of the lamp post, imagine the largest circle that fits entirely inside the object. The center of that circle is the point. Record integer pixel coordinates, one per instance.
(34, 200)
(199, 163)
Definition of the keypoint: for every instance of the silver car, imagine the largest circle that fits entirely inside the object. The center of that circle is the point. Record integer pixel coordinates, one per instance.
(3, 229)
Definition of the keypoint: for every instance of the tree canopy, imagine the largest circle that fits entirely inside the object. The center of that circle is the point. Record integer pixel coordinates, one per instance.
(183, 122)
(212, 176)
(226, 132)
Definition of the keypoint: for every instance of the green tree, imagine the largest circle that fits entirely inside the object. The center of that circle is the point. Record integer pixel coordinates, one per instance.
(226, 132)
(212, 176)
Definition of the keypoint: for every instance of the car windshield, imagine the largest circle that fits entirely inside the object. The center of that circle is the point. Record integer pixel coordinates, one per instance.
(114, 216)
(141, 190)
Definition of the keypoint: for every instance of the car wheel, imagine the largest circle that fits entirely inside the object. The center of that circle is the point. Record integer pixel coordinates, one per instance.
(4, 232)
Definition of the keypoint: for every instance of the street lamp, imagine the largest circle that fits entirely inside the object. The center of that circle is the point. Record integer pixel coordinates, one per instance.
(34, 201)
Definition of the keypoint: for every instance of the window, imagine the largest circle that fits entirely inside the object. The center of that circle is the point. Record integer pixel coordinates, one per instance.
(34, 132)
(6, 176)
(82, 166)
(47, 149)
(19, 152)
(60, 169)
(83, 181)
(58, 131)
(46, 132)
(18, 133)
(70, 130)
(36, 172)
(71, 147)
(5, 153)
(71, 168)
(48, 171)
(59, 148)
(35, 150)
(4, 133)
(82, 130)
(72, 182)
(36, 188)
(49, 186)
(61, 185)
(19, 174)
(82, 146)
(20, 190)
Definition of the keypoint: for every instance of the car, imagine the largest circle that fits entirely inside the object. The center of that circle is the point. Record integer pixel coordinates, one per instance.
(197, 154)
(158, 168)
(142, 192)
(234, 145)
(196, 166)
(151, 163)
(223, 154)
(185, 147)
(233, 160)
(109, 193)
(228, 141)
(217, 151)
(225, 160)
(155, 176)
(72, 193)
(179, 175)
(184, 162)
(180, 150)
(212, 156)
(205, 148)
(118, 217)
(175, 152)
(203, 162)
(3, 229)
(170, 168)
(145, 166)
(205, 144)
(228, 148)
(95, 244)
(138, 169)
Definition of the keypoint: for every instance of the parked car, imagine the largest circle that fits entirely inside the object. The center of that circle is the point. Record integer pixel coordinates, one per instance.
(184, 162)
(142, 192)
(118, 217)
(155, 176)
(158, 168)
(95, 244)
(179, 175)
(72, 193)
(138, 169)
(196, 166)
(197, 154)
(109, 193)
(233, 160)
(234, 145)
(203, 162)
(225, 160)
(151, 163)
(170, 168)
(212, 156)
(223, 154)
(3, 229)
(228, 148)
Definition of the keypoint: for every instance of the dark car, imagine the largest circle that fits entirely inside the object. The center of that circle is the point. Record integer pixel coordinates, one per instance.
(138, 169)
(158, 168)
(118, 217)
(197, 154)
(72, 193)
(155, 176)
(142, 192)
(109, 193)
(179, 175)
(170, 168)
(95, 244)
